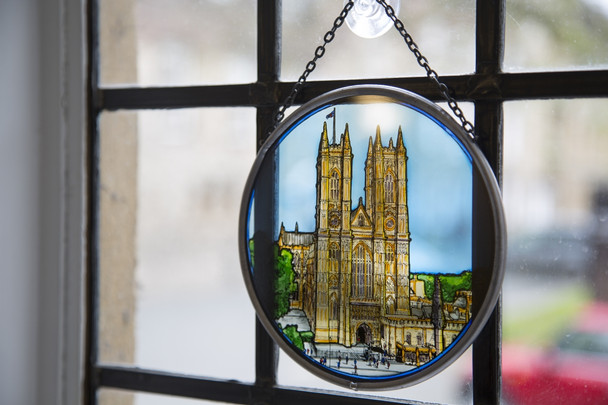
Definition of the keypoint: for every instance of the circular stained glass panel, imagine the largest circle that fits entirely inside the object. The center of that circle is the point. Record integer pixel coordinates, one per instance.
(372, 237)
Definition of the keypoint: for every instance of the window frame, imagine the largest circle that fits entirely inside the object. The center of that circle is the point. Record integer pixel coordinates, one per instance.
(488, 88)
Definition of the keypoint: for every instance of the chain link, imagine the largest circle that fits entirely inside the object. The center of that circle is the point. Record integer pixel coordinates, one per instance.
(430, 72)
(420, 58)
(311, 65)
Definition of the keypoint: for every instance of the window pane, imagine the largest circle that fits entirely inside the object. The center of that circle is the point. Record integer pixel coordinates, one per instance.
(444, 31)
(555, 35)
(555, 292)
(171, 291)
(164, 42)
(107, 396)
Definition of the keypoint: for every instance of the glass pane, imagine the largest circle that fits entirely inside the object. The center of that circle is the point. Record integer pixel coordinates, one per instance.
(556, 35)
(444, 31)
(171, 291)
(555, 292)
(107, 396)
(163, 42)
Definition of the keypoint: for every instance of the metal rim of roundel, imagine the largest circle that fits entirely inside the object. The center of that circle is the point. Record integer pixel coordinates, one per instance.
(358, 273)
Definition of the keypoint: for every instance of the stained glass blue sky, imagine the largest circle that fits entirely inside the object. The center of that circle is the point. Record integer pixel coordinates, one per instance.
(439, 178)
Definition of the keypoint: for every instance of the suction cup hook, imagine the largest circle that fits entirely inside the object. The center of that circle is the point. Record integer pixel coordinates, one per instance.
(368, 19)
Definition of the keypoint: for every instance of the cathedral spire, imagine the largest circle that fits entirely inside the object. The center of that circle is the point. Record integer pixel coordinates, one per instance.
(346, 138)
(378, 140)
(324, 144)
(370, 148)
(296, 230)
(400, 144)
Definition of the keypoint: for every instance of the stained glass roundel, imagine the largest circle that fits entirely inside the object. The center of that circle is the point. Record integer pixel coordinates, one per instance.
(372, 237)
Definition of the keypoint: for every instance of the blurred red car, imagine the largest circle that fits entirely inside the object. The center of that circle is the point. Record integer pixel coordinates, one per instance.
(574, 371)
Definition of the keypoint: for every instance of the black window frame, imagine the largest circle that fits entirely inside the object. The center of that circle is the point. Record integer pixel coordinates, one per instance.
(488, 88)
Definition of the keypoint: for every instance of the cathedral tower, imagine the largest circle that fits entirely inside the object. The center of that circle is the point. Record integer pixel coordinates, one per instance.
(386, 205)
(361, 254)
(334, 179)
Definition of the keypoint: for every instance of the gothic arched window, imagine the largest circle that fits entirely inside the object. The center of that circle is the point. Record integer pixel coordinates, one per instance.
(334, 185)
(362, 281)
(334, 254)
(369, 275)
(389, 188)
(358, 277)
(390, 253)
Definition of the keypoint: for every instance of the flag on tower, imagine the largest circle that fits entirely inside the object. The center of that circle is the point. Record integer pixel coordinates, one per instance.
(331, 114)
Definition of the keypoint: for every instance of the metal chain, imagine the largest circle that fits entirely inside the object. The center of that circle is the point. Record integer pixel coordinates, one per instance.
(311, 65)
(431, 74)
(421, 59)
